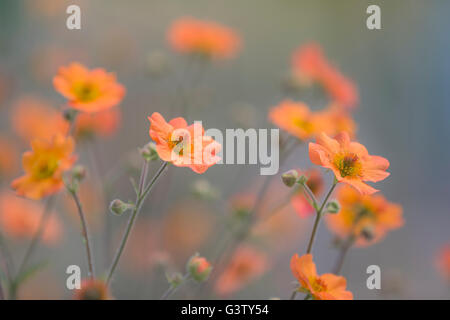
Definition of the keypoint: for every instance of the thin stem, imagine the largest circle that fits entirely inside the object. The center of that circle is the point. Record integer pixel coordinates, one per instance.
(2, 294)
(293, 295)
(6, 256)
(141, 195)
(318, 216)
(85, 232)
(342, 254)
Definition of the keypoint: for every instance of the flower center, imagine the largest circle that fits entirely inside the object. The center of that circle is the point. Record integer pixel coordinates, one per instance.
(86, 91)
(319, 285)
(45, 168)
(178, 144)
(348, 165)
(303, 124)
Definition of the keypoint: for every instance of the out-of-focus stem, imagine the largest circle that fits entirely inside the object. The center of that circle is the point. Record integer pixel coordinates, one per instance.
(85, 232)
(141, 195)
(343, 253)
(172, 289)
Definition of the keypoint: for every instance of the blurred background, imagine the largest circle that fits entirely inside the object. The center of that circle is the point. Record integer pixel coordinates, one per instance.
(401, 71)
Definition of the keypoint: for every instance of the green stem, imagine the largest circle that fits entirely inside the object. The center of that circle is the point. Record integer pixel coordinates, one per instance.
(141, 195)
(318, 216)
(85, 232)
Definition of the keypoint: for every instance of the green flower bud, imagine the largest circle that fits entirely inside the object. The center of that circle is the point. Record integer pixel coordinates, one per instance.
(148, 152)
(333, 207)
(119, 207)
(290, 177)
(198, 268)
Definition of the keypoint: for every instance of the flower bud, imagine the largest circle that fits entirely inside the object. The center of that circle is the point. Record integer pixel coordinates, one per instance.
(333, 207)
(302, 180)
(148, 152)
(198, 268)
(174, 279)
(204, 190)
(78, 172)
(367, 233)
(70, 114)
(290, 177)
(119, 207)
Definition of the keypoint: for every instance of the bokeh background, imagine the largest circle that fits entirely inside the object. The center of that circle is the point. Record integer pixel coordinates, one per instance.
(402, 73)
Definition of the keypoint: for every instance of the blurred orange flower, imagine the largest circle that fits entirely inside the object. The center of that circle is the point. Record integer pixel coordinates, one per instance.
(183, 145)
(8, 157)
(188, 35)
(296, 118)
(93, 289)
(335, 120)
(20, 218)
(34, 118)
(103, 123)
(443, 261)
(245, 265)
(315, 183)
(310, 65)
(44, 167)
(367, 218)
(88, 90)
(324, 287)
(349, 161)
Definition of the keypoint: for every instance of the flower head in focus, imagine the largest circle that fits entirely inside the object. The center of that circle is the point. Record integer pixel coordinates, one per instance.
(34, 118)
(367, 218)
(206, 38)
(310, 65)
(88, 90)
(93, 289)
(245, 265)
(20, 218)
(183, 145)
(321, 287)
(315, 183)
(350, 161)
(296, 118)
(44, 166)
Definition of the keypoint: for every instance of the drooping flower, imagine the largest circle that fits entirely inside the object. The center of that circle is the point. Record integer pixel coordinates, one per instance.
(299, 201)
(34, 118)
(246, 265)
(296, 118)
(311, 66)
(92, 289)
(206, 38)
(88, 90)
(8, 156)
(443, 261)
(102, 123)
(350, 161)
(44, 166)
(367, 218)
(321, 287)
(20, 218)
(183, 145)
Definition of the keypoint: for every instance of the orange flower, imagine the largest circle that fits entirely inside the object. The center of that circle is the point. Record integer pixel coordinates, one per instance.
(88, 90)
(8, 156)
(443, 261)
(245, 265)
(367, 218)
(349, 161)
(34, 118)
(295, 118)
(207, 38)
(334, 120)
(315, 183)
(324, 287)
(183, 145)
(44, 167)
(93, 289)
(310, 65)
(103, 123)
(20, 218)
